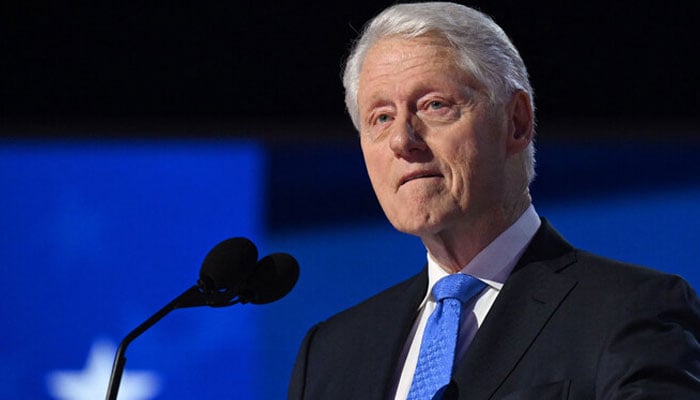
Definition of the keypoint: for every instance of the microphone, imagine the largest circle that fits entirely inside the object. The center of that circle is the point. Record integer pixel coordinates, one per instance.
(230, 274)
(274, 277)
(228, 264)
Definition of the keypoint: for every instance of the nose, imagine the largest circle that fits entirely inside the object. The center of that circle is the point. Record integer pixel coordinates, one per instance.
(406, 139)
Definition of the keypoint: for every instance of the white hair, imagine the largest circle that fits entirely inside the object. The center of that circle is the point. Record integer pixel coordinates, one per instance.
(483, 50)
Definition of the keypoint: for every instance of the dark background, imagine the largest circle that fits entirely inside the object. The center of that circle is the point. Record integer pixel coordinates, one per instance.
(231, 67)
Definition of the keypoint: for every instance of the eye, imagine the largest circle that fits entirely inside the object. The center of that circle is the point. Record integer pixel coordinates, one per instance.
(383, 118)
(438, 109)
(436, 105)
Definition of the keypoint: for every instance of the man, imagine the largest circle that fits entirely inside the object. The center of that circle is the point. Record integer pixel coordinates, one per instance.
(444, 108)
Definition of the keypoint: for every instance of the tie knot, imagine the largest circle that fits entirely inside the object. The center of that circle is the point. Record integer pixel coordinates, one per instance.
(457, 286)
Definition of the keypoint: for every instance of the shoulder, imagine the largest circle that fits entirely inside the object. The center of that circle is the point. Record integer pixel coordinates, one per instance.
(620, 275)
(367, 334)
(400, 298)
(595, 273)
(653, 324)
(633, 287)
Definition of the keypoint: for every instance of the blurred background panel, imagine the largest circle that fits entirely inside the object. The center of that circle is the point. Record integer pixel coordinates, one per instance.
(96, 237)
(134, 137)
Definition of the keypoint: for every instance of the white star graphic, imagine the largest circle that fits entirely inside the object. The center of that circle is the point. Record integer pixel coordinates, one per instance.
(91, 382)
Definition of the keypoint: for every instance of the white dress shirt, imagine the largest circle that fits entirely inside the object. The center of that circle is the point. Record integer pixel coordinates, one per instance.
(492, 266)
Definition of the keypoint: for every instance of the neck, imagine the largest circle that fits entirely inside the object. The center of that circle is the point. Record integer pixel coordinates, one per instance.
(454, 249)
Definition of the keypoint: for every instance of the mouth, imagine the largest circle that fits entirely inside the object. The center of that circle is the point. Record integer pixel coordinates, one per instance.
(418, 175)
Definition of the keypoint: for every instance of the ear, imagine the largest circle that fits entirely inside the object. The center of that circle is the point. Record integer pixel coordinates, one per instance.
(520, 122)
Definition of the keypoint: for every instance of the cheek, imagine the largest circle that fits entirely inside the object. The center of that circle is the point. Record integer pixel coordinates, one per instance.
(461, 161)
(375, 168)
(471, 171)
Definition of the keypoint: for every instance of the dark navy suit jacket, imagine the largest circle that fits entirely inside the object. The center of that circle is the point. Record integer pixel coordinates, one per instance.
(566, 325)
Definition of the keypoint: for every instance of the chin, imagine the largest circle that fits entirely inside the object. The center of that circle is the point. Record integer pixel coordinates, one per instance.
(416, 226)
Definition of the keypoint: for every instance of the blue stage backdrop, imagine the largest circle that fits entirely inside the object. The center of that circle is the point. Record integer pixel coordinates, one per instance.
(97, 236)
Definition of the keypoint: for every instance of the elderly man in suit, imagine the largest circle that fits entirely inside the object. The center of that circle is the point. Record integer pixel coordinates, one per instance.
(445, 112)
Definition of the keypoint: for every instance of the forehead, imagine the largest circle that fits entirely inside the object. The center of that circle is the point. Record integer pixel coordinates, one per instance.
(397, 63)
(396, 51)
(427, 42)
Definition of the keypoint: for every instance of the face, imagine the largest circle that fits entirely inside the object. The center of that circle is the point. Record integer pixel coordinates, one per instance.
(436, 148)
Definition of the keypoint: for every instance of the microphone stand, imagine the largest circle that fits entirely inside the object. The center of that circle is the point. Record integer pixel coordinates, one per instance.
(192, 297)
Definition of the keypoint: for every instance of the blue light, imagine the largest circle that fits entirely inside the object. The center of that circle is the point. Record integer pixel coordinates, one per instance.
(97, 236)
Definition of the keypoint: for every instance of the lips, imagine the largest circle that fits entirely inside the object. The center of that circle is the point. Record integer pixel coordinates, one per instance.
(418, 175)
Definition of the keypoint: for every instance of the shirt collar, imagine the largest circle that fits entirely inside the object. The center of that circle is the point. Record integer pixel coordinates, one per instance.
(494, 263)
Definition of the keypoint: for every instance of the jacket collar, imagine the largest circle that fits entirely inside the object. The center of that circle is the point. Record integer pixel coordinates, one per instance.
(528, 299)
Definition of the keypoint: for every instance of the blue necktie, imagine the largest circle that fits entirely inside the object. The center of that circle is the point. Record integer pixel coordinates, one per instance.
(437, 349)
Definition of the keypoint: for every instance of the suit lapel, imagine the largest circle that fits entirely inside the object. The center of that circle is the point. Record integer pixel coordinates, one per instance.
(390, 324)
(527, 301)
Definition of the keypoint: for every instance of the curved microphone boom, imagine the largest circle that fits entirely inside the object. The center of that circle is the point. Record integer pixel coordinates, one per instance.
(230, 274)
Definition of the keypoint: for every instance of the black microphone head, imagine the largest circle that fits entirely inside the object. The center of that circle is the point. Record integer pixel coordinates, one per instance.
(228, 264)
(274, 277)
